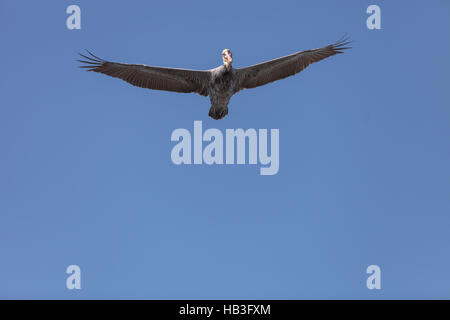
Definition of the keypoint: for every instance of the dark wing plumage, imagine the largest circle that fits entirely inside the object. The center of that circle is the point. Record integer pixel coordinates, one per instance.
(269, 71)
(157, 78)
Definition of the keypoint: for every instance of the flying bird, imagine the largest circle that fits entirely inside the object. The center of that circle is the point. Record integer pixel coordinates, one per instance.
(220, 83)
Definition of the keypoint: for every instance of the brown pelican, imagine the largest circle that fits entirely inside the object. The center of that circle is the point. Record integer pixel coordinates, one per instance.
(219, 83)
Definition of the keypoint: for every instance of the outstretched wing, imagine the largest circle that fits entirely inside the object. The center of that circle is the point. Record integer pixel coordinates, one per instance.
(269, 71)
(157, 78)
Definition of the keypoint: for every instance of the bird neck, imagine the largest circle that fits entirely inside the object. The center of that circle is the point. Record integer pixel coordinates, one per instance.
(227, 65)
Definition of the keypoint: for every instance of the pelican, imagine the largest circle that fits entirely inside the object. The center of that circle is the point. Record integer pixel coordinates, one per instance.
(220, 83)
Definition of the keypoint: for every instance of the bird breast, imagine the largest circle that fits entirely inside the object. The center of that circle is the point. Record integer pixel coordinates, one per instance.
(222, 81)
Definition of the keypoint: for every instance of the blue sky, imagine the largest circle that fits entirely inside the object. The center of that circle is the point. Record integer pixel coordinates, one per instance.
(86, 176)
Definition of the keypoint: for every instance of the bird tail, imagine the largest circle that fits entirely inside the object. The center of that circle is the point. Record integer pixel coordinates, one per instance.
(217, 112)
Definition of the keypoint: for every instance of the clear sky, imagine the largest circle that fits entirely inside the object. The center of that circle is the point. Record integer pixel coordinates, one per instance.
(86, 176)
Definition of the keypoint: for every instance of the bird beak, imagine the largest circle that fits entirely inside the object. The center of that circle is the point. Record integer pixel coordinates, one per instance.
(227, 58)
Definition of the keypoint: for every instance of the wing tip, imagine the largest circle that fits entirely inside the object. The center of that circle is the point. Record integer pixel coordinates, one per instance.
(91, 61)
(342, 44)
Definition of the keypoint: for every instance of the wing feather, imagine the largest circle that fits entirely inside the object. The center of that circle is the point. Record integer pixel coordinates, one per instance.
(156, 78)
(273, 70)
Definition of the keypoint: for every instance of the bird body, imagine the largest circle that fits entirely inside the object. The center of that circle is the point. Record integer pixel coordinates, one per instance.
(220, 83)
(221, 89)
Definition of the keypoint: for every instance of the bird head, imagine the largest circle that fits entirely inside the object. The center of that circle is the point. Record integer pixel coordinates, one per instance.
(227, 57)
